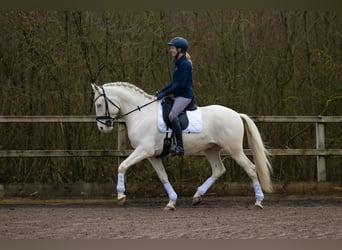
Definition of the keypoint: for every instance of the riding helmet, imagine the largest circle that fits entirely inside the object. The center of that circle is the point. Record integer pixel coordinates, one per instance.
(179, 42)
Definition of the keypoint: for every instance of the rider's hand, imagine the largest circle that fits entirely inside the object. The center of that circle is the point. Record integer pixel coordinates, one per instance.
(159, 95)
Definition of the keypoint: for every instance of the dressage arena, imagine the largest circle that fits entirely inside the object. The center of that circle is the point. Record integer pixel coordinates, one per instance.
(214, 218)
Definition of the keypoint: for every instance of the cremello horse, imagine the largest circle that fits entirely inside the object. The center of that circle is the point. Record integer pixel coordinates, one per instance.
(222, 128)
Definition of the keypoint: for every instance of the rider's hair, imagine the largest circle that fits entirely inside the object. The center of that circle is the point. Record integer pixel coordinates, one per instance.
(188, 57)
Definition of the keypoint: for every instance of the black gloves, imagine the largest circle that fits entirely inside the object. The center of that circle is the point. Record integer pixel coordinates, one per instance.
(159, 95)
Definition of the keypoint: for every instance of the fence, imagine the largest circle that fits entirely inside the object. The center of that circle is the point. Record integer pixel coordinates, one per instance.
(320, 151)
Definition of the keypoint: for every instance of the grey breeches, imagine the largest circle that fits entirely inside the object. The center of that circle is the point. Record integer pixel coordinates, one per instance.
(178, 106)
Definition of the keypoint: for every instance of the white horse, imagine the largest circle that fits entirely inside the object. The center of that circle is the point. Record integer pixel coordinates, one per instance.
(222, 128)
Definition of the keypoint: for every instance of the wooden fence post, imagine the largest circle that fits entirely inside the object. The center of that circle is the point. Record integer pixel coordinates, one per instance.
(121, 133)
(320, 145)
(121, 136)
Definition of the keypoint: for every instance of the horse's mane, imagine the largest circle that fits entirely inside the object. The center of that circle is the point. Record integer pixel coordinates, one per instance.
(131, 86)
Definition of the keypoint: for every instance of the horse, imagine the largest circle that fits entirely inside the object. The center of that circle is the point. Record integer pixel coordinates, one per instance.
(222, 129)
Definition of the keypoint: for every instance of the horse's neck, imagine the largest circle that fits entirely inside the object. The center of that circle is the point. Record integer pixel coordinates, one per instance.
(129, 98)
(140, 120)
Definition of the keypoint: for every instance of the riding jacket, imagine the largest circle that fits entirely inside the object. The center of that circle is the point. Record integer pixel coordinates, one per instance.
(181, 84)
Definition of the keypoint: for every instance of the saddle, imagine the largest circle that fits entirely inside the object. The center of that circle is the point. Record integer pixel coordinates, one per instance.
(167, 104)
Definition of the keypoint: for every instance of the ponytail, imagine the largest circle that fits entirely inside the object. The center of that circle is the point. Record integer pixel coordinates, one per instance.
(188, 57)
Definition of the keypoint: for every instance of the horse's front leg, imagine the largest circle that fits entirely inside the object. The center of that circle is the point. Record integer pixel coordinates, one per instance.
(120, 187)
(159, 168)
(136, 156)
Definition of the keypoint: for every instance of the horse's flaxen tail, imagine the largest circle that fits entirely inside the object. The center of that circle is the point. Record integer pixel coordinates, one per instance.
(260, 154)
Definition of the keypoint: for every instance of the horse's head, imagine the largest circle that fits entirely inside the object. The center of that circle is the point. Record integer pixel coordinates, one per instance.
(105, 109)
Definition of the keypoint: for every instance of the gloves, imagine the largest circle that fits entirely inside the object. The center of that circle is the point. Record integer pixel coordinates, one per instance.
(159, 95)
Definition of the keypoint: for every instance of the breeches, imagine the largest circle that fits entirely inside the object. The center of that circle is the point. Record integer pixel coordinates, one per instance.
(178, 106)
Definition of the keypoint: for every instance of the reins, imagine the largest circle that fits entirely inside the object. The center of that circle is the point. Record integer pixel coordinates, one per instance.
(109, 119)
(138, 108)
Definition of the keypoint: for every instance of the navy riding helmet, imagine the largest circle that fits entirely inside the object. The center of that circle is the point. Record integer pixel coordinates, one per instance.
(179, 42)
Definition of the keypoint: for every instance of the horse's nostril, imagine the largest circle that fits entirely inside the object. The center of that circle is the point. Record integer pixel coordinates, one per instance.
(101, 128)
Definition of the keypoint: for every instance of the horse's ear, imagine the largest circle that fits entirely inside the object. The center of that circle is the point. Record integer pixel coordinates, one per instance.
(95, 87)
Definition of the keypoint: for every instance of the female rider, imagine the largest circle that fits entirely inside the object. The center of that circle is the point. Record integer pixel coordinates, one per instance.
(180, 87)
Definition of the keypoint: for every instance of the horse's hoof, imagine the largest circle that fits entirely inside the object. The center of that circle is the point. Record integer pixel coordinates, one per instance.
(169, 208)
(258, 204)
(196, 200)
(122, 201)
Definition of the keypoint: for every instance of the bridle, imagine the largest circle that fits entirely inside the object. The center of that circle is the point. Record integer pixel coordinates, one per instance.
(107, 117)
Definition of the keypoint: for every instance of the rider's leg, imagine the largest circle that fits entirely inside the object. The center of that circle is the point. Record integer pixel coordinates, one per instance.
(178, 106)
(176, 128)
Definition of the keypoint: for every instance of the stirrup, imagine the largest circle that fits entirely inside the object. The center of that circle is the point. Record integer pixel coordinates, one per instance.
(175, 152)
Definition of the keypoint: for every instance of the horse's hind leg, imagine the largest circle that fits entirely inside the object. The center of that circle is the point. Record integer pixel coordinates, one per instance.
(249, 168)
(217, 168)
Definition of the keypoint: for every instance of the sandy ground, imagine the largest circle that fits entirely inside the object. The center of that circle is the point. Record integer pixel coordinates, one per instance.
(214, 218)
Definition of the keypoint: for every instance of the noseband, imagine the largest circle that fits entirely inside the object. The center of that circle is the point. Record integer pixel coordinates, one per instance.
(108, 119)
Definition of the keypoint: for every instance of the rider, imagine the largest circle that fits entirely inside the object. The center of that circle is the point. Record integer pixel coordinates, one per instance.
(180, 87)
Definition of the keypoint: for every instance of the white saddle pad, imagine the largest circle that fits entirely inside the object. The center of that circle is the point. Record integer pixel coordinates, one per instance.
(195, 121)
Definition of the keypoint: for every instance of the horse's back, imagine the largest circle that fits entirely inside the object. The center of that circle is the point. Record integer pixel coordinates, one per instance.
(222, 121)
(221, 113)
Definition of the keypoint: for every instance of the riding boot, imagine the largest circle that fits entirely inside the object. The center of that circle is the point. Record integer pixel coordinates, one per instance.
(176, 128)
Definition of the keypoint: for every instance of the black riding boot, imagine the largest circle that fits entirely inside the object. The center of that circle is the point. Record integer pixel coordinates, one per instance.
(176, 128)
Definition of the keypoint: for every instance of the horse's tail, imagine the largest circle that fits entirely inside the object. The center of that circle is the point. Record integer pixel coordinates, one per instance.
(260, 154)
